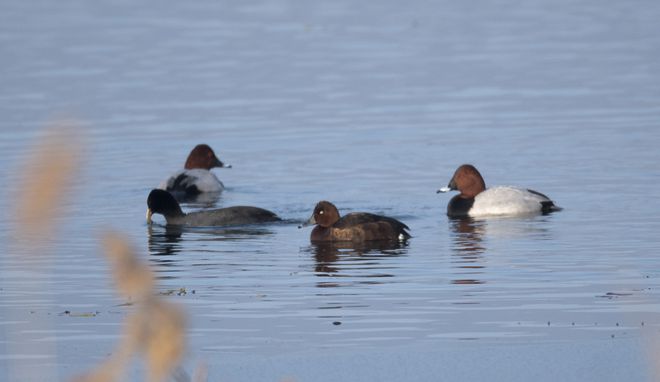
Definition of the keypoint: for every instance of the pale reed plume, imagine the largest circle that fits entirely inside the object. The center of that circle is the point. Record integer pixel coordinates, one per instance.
(155, 330)
(47, 179)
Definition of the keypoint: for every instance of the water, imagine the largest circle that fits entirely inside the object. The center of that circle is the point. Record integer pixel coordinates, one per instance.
(371, 106)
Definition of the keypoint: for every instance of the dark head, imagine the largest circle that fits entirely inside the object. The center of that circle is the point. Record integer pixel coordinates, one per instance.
(325, 214)
(202, 156)
(467, 180)
(162, 202)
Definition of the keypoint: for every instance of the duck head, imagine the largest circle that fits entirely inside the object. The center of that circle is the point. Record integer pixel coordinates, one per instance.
(202, 156)
(162, 202)
(467, 180)
(325, 214)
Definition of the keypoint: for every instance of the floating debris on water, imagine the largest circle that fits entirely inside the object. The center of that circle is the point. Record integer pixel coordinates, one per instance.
(612, 295)
(178, 292)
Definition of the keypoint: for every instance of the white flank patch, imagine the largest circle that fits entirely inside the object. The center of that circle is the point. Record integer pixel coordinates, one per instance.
(506, 200)
(205, 180)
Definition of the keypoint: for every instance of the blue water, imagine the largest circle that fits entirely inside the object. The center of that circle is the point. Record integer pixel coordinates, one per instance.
(371, 106)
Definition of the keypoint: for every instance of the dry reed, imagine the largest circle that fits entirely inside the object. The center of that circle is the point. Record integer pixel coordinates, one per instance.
(48, 177)
(155, 328)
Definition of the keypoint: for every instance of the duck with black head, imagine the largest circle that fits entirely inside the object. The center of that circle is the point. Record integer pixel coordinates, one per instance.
(476, 200)
(355, 227)
(162, 202)
(196, 177)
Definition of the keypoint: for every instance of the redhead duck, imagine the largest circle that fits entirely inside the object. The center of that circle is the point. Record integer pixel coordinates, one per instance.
(196, 177)
(356, 226)
(162, 202)
(476, 200)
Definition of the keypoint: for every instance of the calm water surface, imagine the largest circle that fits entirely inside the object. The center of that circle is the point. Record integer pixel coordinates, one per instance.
(371, 106)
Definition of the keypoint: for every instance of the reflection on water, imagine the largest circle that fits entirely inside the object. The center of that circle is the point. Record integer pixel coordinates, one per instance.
(513, 228)
(469, 237)
(164, 241)
(361, 260)
(469, 249)
(168, 240)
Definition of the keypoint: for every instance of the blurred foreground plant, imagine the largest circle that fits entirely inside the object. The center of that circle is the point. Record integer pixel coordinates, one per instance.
(47, 179)
(154, 330)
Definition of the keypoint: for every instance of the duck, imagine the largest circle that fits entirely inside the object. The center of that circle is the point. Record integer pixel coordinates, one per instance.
(475, 200)
(162, 202)
(196, 177)
(355, 227)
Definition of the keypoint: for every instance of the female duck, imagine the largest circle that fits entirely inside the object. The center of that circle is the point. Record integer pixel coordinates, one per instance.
(162, 202)
(356, 226)
(475, 200)
(196, 177)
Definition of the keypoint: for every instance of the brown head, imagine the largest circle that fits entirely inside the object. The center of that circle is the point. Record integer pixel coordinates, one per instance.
(202, 156)
(467, 180)
(325, 214)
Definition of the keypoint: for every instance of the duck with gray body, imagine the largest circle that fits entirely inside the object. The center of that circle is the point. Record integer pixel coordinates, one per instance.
(162, 202)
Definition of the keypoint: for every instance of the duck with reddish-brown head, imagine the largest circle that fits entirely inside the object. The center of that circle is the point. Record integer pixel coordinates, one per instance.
(196, 177)
(476, 200)
(355, 227)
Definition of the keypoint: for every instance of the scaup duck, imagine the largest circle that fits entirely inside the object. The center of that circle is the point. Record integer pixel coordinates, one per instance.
(196, 177)
(356, 226)
(476, 200)
(162, 202)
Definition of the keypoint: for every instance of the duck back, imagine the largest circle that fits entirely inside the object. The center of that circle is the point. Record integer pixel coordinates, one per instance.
(507, 200)
(192, 182)
(362, 226)
(231, 216)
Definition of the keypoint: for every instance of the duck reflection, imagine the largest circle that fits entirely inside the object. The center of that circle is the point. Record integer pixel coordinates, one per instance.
(164, 241)
(167, 240)
(361, 263)
(468, 247)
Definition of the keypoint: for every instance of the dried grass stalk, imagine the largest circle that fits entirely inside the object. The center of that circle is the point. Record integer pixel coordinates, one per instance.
(201, 373)
(47, 180)
(164, 341)
(155, 330)
(133, 278)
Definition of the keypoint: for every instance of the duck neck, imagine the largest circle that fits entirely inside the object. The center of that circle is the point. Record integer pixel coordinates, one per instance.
(473, 189)
(320, 233)
(175, 216)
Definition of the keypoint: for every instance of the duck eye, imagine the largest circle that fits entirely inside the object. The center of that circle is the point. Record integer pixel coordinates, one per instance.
(321, 212)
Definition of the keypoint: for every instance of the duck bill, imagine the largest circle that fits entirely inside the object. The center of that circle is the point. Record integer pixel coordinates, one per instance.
(450, 187)
(149, 214)
(218, 163)
(308, 222)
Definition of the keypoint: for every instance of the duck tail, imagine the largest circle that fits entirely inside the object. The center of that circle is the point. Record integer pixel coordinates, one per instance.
(549, 206)
(404, 235)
